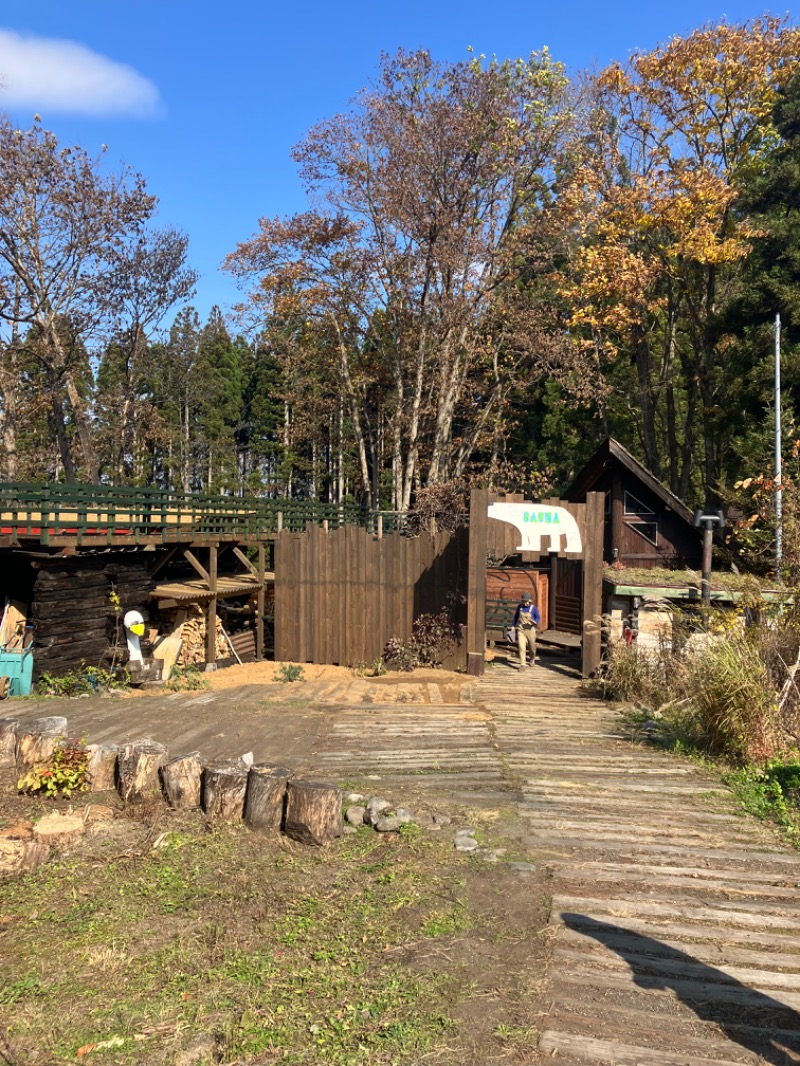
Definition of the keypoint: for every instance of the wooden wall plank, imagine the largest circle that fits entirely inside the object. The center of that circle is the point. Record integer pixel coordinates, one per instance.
(372, 598)
(476, 603)
(593, 582)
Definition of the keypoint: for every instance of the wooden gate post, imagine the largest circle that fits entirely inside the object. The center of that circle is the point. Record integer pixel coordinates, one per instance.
(594, 527)
(476, 581)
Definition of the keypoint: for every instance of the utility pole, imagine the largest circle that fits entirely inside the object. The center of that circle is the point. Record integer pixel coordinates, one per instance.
(778, 468)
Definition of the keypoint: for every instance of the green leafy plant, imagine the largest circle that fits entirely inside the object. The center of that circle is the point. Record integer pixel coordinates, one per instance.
(186, 679)
(290, 672)
(67, 771)
(87, 680)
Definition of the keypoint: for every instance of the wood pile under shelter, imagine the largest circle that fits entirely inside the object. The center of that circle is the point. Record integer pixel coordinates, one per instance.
(75, 613)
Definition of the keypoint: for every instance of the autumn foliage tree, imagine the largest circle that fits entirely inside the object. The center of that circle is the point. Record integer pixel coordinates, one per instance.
(408, 286)
(678, 132)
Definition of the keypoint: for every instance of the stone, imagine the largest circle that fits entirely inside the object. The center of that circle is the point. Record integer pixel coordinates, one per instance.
(354, 797)
(348, 830)
(391, 824)
(523, 867)
(403, 812)
(376, 807)
(354, 815)
(441, 819)
(465, 844)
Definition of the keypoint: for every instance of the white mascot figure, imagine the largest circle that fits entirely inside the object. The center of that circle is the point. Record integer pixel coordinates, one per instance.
(134, 628)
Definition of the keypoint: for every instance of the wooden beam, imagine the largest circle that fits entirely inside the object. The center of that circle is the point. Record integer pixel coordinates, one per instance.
(196, 564)
(246, 562)
(164, 561)
(211, 616)
(262, 554)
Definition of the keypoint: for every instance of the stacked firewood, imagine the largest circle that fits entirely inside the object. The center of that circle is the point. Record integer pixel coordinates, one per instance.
(77, 611)
(193, 634)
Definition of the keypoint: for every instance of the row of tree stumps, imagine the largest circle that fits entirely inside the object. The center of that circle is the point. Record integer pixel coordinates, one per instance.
(264, 796)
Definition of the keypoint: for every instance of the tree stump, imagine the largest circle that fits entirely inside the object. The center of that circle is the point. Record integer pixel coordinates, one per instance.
(264, 802)
(181, 777)
(37, 740)
(8, 741)
(59, 830)
(224, 789)
(139, 764)
(102, 767)
(313, 812)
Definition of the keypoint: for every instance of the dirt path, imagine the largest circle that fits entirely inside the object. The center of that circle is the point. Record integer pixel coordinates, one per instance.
(675, 919)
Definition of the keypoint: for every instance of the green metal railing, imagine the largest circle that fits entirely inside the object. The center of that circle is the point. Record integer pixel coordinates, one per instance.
(48, 511)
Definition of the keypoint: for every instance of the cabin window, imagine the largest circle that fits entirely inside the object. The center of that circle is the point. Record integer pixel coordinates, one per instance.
(636, 507)
(648, 530)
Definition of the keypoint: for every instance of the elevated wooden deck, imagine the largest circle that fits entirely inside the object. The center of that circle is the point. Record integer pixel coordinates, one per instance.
(97, 516)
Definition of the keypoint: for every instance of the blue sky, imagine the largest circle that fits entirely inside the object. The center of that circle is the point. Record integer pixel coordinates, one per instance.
(207, 99)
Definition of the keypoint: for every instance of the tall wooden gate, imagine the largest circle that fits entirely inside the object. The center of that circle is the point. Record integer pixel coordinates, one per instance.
(576, 576)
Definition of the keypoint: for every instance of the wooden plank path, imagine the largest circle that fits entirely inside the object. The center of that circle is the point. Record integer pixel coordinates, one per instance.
(675, 920)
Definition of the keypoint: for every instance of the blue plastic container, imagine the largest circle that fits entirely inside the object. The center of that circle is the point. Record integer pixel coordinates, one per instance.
(18, 667)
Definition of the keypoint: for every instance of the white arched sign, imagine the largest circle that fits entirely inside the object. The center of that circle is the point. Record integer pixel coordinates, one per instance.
(536, 521)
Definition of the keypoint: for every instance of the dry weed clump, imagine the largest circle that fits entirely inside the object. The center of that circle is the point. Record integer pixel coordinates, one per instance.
(731, 693)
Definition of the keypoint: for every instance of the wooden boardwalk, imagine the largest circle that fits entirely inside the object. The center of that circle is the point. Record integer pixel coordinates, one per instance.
(675, 920)
(675, 925)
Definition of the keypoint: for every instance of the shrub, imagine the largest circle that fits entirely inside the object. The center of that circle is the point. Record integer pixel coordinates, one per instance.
(67, 771)
(290, 672)
(433, 637)
(186, 679)
(85, 681)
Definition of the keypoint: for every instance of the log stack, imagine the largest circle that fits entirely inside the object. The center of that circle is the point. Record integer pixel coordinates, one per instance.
(193, 635)
(73, 615)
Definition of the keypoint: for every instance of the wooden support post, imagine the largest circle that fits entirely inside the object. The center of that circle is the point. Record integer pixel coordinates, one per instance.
(380, 526)
(245, 561)
(476, 582)
(260, 601)
(211, 616)
(593, 582)
(201, 570)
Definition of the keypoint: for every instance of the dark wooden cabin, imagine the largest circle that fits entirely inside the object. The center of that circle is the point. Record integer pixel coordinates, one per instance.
(646, 525)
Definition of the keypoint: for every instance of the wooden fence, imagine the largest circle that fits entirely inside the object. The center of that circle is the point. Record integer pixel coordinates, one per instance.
(341, 594)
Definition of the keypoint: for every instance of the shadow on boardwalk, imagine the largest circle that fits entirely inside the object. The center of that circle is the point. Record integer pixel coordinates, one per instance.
(763, 1025)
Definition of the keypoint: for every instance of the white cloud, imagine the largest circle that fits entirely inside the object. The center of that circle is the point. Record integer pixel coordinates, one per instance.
(46, 74)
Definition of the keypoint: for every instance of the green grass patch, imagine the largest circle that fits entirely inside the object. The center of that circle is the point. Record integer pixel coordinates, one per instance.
(283, 953)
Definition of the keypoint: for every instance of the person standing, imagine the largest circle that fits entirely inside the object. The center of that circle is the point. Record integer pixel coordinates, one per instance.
(526, 619)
